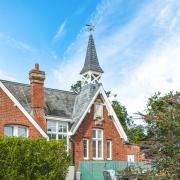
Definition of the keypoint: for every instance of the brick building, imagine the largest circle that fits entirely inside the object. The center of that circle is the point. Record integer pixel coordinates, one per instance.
(86, 121)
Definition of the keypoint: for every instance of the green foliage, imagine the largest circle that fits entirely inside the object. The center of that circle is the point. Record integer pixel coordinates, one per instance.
(136, 172)
(32, 159)
(108, 93)
(135, 132)
(122, 114)
(163, 134)
(76, 88)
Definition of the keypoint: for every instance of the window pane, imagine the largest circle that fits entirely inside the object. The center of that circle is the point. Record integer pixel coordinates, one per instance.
(8, 131)
(62, 137)
(108, 149)
(94, 133)
(85, 148)
(51, 126)
(22, 132)
(130, 158)
(99, 149)
(62, 128)
(94, 149)
(99, 133)
(52, 136)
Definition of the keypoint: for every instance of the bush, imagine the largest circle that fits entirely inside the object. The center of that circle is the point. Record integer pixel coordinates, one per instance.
(32, 159)
(136, 173)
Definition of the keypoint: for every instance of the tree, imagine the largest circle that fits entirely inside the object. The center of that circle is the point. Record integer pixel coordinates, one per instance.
(122, 114)
(76, 88)
(136, 134)
(163, 134)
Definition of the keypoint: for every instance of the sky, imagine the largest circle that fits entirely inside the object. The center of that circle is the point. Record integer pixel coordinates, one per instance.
(137, 42)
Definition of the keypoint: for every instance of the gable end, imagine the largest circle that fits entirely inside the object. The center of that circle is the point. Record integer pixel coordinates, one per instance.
(21, 108)
(110, 110)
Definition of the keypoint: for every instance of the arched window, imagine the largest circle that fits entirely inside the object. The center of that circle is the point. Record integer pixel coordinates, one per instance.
(16, 130)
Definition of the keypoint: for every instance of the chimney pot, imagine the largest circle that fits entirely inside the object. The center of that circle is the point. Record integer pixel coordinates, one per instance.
(37, 67)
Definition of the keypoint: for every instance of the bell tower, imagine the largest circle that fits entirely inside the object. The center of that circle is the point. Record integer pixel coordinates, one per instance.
(91, 71)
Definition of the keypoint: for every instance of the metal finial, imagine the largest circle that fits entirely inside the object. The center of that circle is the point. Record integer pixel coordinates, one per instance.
(90, 27)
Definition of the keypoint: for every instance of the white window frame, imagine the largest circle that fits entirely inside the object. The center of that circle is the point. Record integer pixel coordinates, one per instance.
(87, 150)
(15, 129)
(96, 140)
(129, 157)
(59, 133)
(110, 150)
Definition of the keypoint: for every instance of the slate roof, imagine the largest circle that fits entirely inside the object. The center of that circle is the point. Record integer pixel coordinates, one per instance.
(82, 101)
(57, 102)
(91, 60)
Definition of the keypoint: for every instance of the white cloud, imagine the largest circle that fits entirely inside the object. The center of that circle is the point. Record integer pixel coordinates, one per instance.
(159, 72)
(5, 76)
(139, 58)
(60, 31)
(15, 43)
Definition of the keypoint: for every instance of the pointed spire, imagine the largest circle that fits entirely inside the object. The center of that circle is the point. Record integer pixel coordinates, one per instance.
(91, 60)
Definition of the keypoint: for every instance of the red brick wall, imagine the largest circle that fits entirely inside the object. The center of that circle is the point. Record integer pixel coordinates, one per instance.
(10, 114)
(133, 150)
(119, 149)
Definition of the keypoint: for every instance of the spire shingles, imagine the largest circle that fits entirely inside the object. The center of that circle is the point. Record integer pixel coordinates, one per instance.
(91, 60)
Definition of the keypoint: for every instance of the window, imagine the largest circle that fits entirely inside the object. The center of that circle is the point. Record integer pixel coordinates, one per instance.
(97, 144)
(57, 130)
(130, 158)
(98, 111)
(22, 131)
(16, 130)
(8, 131)
(86, 148)
(109, 149)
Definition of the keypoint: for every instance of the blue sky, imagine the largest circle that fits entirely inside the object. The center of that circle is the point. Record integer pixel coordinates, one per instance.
(137, 41)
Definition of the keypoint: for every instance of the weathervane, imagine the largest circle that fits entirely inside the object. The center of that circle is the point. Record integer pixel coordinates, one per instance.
(90, 27)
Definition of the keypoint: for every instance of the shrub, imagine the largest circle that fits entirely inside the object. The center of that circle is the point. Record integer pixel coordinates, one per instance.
(32, 159)
(137, 172)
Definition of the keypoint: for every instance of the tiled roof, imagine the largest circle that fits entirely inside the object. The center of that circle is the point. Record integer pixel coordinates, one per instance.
(91, 60)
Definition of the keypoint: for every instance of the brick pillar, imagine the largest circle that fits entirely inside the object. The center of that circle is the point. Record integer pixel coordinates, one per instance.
(37, 78)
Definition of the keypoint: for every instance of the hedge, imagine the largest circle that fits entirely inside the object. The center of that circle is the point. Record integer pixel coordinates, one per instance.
(32, 159)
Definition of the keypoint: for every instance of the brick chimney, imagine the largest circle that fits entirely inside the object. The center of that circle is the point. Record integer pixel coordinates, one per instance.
(37, 78)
